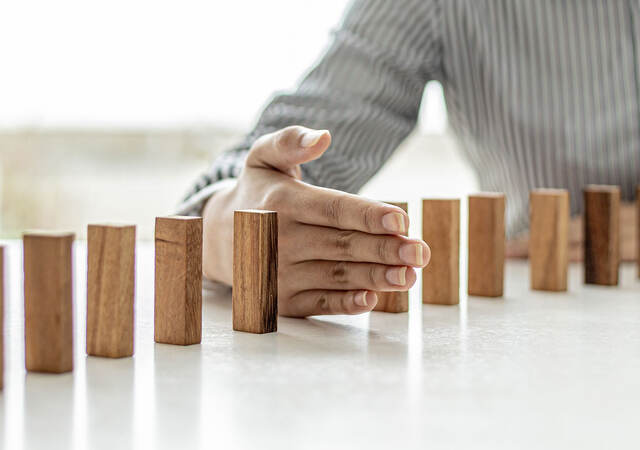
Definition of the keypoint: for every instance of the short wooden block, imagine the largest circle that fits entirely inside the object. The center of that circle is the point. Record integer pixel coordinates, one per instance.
(178, 281)
(486, 244)
(110, 289)
(601, 234)
(398, 301)
(48, 301)
(1, 317)
(548, 239)
(255, 271)
(441, 232)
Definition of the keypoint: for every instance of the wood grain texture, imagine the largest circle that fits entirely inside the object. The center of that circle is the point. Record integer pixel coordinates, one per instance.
(1, 317)
(601, 234)
(441, 231)
(255, 271)
(110, 289)
(178, 280)
(398, 301)
(48, 301)
(486, 244)
(548, 239)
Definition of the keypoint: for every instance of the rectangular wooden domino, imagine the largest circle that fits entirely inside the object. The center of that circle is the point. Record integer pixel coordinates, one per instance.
(1, 317)
(486, 244)
(548, 239)
(441, 231)
(110, 289)
(255, 271)
(397, 301)
(48, 301)
(601, 234)
(178, 280)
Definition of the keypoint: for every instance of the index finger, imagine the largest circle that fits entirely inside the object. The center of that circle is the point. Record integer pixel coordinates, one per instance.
(344, 211)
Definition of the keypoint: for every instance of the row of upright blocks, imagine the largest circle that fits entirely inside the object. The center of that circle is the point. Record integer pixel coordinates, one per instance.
(178, 270)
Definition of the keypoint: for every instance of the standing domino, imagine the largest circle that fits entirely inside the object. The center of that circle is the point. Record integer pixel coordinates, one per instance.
(110, 289)
(601, 234)
(549, 239)
(178, 280)
(486, 244)
(397, 301)
(48, 302)
(441, 232)
(255, 271)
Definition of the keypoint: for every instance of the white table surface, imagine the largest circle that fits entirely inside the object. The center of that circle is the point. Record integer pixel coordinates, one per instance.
(531, 370)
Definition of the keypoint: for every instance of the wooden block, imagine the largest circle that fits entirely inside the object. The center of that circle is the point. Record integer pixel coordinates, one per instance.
(48, 301)
(486, 244)
(548, 239)
(178, 283)
(110, 289)
(601, 234)
(1, 317)
(255, 271)
(398, 301)
(441, 232)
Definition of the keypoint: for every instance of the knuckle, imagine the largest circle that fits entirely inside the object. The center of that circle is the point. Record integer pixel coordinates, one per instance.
(368, 217)
(287, 137)
(338, 272)
(382, 249)
(344, 243)
(372, 276)
(322, 304)
(275, 199)
(333, 210)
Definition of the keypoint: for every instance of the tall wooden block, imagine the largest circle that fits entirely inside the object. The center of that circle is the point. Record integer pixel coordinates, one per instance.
(48, 301)
(178, 283)
(601, 234)
(441, 231)
(548, 239)
(255, 271)
(486, 244)
(110, 289)
(398, 301)
(1, 317)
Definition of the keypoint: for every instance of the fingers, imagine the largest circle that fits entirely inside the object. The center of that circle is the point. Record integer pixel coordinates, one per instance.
(342, 275)
(337, 209)
(310, 242)
(283, 150)
(316, 302)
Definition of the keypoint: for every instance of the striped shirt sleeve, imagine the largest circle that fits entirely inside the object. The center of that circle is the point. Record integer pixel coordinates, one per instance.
(366, 90)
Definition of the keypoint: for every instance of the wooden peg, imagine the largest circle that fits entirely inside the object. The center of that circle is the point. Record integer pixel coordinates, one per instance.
(178, 282)
(441, 231)
(398, 301)
(1, 317)
(255, 271)
(110, 289)
(486, 244)
(601, 234)
(48, 301)
(548, 239)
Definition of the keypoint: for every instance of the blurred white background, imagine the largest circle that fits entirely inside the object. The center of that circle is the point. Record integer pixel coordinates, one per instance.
(110, 109)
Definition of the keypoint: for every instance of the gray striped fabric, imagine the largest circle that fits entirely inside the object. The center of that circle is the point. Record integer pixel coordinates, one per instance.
(540, 93)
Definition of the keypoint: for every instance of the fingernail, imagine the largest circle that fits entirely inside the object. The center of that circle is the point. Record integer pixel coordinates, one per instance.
(394, 222)
(311, 138)
(412, 254)
(360, 298)
(396, 276)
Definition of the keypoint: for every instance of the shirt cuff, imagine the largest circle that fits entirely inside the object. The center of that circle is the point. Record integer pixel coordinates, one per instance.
(193, 205)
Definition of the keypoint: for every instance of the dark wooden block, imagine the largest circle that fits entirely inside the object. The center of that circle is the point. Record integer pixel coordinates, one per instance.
(601, 234)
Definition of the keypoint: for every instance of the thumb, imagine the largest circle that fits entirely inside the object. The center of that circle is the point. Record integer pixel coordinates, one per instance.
(285, 149)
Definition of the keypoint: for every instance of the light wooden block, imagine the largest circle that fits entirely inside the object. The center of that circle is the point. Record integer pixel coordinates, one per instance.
(397, 301)
(110, 289)
(601, 234)
(486, 244)
(178, 280)
(441, 232)
(548, 239)
(48, 301)
(1, 317)
(255, 271)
